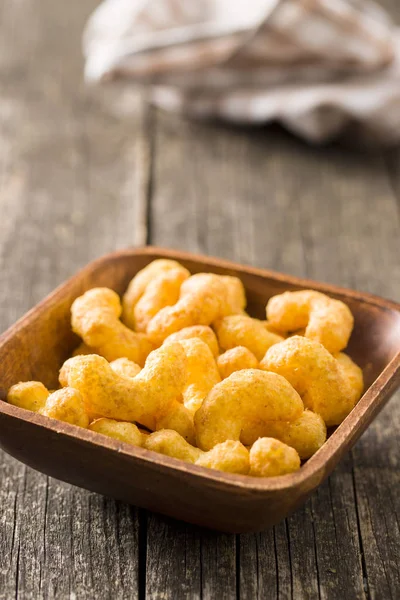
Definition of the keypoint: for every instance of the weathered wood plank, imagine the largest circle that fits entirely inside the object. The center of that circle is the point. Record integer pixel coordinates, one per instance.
(380, 527)
(356, 245)
(237, 194)
(219, 568)
(169, 569)
(73, 174)
(73, 179)
(180, 209)
(365, 225)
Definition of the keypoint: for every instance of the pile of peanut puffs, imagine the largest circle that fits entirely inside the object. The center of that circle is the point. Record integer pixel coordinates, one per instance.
(181, 369)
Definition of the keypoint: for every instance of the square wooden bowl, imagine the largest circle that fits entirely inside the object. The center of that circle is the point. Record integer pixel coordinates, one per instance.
(36, 346)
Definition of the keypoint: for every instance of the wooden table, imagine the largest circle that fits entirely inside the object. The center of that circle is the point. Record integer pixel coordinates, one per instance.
(83, 172)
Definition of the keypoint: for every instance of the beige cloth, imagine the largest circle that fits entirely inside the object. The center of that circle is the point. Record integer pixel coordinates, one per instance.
(313, 65)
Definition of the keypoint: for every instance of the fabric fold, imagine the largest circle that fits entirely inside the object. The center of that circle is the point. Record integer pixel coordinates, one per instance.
(313, 65)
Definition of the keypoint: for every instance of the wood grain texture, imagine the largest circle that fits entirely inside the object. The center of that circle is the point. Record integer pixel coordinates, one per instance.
(267, 200)
(364, 225)
(219, 501)
(72, 176)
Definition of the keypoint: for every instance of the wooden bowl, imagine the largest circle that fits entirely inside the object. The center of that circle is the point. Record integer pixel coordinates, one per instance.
(36, 346)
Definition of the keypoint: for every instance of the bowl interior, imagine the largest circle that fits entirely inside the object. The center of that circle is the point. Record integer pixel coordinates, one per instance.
(37, 346)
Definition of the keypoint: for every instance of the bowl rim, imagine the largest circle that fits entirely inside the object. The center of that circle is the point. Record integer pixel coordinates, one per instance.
(308, 471)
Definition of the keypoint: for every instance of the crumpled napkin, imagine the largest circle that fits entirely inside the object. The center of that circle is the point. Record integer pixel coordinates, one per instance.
(314, 65)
